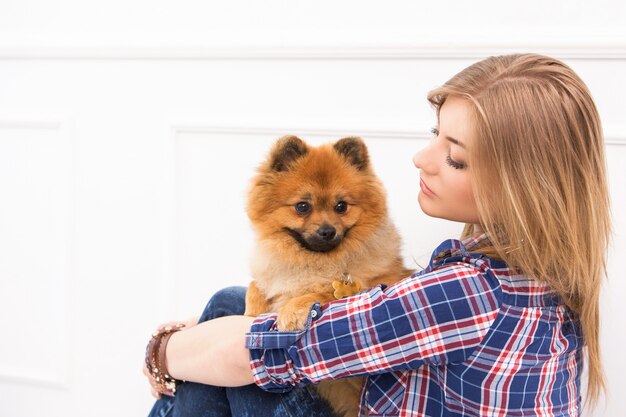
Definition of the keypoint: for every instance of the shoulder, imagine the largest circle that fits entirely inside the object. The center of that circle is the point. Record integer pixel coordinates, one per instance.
(454, 284)
(462, 260)
(456, 259)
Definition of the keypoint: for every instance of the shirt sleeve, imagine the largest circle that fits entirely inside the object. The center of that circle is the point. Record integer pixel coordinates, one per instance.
(437, 318)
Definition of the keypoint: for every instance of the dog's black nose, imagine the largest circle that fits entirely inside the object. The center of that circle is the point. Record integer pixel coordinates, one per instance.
(326, 232)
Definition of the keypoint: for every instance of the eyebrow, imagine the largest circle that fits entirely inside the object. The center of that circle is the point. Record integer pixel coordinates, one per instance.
(456, 142)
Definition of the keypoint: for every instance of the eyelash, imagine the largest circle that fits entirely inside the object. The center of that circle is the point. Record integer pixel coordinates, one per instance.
(454, 164)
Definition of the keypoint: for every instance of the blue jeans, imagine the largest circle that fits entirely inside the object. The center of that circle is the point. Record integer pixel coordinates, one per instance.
(199, 400)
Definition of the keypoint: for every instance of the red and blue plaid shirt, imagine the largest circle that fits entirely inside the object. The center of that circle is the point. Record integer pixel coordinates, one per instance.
(466, 336)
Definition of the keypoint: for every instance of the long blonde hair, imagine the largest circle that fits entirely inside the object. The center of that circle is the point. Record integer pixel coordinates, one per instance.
(539, 179)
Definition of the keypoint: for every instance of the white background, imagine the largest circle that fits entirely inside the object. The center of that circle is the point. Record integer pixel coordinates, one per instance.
(129, 131)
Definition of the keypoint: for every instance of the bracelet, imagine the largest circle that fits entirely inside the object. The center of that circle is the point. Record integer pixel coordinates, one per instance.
(155, 359)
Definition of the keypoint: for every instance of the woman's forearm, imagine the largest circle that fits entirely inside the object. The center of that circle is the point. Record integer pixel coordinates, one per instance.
(212, 353)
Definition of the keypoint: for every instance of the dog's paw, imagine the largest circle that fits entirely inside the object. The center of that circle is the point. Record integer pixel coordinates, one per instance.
(292, 316)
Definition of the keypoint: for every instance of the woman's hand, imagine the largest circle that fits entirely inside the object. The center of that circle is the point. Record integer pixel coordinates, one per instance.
(189, 323)
(155, 389)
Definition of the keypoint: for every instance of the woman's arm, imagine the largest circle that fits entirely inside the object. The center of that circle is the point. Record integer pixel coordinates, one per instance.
(212, 352)
(437, 317)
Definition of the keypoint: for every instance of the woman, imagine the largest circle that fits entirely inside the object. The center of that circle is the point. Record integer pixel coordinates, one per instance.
(498, 323)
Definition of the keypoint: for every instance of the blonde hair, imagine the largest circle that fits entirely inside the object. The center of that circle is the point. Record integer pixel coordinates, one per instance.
(539, 179)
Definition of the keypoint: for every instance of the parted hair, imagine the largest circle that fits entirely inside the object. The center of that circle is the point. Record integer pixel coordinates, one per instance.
(539, 179)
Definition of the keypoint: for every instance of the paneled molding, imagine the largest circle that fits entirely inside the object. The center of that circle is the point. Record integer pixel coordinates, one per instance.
(30, 123)
(613, 136)
(36, 378)
(331, 132)
(615, 140)
(182, 52)
(57, 376)
(182, 125)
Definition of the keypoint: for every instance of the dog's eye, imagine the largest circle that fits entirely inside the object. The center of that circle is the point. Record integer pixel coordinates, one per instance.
(303, 208)
(341, 207)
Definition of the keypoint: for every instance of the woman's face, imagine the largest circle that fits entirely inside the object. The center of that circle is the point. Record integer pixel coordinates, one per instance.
(445, 186)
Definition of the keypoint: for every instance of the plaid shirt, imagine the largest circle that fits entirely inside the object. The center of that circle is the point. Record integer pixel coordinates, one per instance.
(466, 336)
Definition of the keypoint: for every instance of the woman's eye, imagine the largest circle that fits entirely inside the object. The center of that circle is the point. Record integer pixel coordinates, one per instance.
(341, 207)
(454, 164)
(303, 208)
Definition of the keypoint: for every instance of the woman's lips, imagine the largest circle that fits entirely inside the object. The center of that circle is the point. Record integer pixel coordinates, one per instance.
(425, 189)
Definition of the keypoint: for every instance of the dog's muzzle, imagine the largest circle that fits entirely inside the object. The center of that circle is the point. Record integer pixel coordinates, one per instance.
(325, 239)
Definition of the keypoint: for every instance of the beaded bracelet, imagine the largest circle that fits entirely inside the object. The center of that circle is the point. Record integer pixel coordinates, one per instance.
(155, 359)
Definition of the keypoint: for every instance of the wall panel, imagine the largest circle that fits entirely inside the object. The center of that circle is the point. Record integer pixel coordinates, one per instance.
(35, 242)
(135, 215)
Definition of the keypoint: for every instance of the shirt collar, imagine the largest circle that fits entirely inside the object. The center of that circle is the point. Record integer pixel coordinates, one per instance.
(471, 242)
(455, 247)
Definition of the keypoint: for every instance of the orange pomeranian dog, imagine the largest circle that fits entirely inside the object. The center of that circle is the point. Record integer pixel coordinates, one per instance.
(320, 214)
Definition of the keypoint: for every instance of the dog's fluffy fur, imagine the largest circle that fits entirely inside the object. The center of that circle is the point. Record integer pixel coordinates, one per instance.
(318, 213)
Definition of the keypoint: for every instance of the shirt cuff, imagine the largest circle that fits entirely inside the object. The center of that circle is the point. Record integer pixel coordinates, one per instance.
(273, 368)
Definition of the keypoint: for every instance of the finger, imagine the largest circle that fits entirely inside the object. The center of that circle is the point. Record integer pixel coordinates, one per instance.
(156, 394)
(173, 325)
(168, 324)
(192, 321)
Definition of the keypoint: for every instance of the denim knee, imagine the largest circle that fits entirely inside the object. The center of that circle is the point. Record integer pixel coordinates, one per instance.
(226, 302)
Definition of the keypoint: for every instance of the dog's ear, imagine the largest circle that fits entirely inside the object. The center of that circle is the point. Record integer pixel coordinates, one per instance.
(285, 151)
(354, 150)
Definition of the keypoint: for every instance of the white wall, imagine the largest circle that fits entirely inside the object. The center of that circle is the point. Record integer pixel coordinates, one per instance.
(129, 130)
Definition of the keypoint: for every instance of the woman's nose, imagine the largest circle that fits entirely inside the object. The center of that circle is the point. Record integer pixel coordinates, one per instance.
(425, 161)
